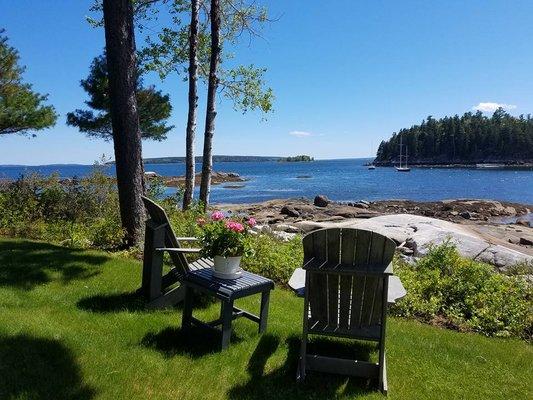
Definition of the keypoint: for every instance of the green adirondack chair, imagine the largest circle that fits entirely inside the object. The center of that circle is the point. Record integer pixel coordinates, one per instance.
(163, 290)
(347, 277)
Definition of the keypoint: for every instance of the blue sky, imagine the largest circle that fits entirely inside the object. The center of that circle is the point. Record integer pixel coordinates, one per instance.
(346, 74)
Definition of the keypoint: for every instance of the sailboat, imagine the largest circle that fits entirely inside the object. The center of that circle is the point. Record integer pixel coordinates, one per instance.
(403, 168)
(371, 165)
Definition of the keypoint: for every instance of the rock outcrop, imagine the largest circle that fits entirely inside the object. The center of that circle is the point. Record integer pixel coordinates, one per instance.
(321, 201)
(418, 233)
(216, 179)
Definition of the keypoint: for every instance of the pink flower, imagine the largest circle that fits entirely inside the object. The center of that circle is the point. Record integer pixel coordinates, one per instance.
(252, 222)
(234, 226)
(201, 221)
(217, 216)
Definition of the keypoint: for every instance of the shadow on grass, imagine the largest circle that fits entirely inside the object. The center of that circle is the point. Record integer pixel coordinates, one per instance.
(106, 303)
(281, 382)
(25, 264)
(196, 342)
(130, 302)
(38, 368)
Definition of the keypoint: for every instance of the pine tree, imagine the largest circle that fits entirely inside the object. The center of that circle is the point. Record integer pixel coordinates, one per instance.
(154, 107)
(21, 109)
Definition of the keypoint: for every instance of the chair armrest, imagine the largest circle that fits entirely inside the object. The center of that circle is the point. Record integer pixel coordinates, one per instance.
(396, 289)
(297, 282)
(179, 250)
(187, 239)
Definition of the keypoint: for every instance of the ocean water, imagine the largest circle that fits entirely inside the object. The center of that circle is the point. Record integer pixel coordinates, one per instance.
(342, 180)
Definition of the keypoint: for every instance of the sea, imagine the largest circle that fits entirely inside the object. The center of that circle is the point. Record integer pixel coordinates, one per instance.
(340, 180)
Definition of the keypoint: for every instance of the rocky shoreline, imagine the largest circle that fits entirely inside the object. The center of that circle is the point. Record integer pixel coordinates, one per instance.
(492, 231)
(217, 178)
(322, 210)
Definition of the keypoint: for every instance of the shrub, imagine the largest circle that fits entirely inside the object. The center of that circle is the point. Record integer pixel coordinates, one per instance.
(75, 212)
(445, 288)
(274, 259)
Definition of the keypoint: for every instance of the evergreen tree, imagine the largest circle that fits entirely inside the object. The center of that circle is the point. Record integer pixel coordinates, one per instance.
(471, 138)
(154, 108)
(21, 109)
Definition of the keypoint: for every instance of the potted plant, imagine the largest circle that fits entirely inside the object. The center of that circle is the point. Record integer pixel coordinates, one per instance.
(225, 240)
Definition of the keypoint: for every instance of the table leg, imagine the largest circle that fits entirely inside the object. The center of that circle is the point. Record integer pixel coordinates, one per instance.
(187, 308)
(227, 318)
(263, 316)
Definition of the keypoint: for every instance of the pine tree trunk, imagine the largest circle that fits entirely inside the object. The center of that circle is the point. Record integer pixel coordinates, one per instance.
(121, 63)
(193, 105)
(207, 159)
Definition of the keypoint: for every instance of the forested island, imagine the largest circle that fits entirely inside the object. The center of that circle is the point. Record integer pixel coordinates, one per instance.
(299, 158)
(216, 158)
(470, 139)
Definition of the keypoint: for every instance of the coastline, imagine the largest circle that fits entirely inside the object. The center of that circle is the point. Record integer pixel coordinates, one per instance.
(453, 210)
(477, 165)
(505, 224)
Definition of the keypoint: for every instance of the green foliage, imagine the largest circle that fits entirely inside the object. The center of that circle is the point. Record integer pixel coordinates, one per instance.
(155, 188)
(21, 109)
(445, 288)
(245, 87)
(154, 108)
(472, 138)
(167, 51)
(274, 259)
(299, 158)
(80, 213)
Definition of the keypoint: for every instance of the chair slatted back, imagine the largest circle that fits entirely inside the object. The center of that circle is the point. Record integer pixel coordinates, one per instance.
(159, 217)
(347, 271)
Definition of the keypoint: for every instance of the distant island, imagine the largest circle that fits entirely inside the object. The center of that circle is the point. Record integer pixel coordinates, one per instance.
(300, 158)
(467, 140)
(224, 158)
(216, 158)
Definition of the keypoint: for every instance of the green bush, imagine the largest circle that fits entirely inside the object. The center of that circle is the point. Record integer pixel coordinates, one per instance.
(274, 259)
(75, 212)
(445, 288)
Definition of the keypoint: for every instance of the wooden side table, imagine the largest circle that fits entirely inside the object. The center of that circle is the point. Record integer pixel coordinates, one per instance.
(227, 291)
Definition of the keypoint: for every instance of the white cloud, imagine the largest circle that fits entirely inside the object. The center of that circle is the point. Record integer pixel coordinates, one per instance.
(491, 107)
(300, 133)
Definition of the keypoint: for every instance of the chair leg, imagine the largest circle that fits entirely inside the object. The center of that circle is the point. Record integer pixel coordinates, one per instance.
(383, 376)
(263, 315)
(300, 373)
(227, 317)
(187, 308)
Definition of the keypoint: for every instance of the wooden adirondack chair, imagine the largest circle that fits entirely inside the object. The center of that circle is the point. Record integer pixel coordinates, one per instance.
(161, 290)
(347, 275)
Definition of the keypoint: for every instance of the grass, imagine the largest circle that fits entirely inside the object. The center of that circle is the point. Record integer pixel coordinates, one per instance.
(71, 327)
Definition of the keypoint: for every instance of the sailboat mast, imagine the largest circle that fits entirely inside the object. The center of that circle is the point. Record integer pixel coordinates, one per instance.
(401, 151)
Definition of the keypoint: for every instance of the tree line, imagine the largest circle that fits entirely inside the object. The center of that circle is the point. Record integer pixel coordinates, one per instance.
(121, 109)
(299, 158)
(471, 138)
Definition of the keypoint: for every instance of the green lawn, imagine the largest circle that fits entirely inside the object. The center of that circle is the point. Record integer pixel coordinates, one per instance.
(71, 328)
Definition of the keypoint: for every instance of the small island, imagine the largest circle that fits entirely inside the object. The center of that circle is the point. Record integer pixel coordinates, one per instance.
(299, 158)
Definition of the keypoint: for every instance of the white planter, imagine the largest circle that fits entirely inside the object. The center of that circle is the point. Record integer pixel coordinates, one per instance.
(227, 267)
